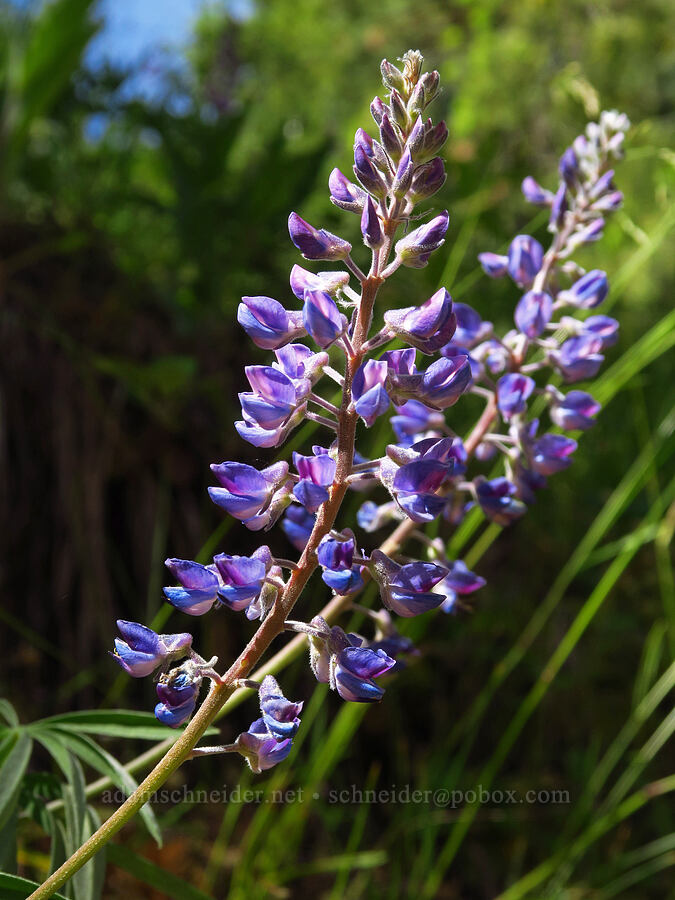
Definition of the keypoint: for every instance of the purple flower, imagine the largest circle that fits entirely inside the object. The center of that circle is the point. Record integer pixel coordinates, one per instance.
(407, 590)
(316, 244)
(370, 226)
(369, 396)
(242, 577)
(588, 292)
(574, 411)
(143, 650)
(445, 381)
(344, 193)
(533, 313)
(535, 193)
(578, 358)
(372, 517)
(367, 174)
(355, 669)
(198, 590)
(404, 173)
(416, 247)
(267, 323)
(512, 393)
(471, 329)
(603, 327)
(497, 500)
(340, 660)
(460, 580)
(427, 180)
(550, 454)
(336, 559)
(322, 318)
(569, 167)
(413, 418)
(415, 485)
(301, 280)
(260, 748)
(297, 525)
(177, 692)
(493, 264)
(427, 327)
(558, 208)
(245, 492)
(524, 260)
(301, 365)
(316, 475)
(279, 715)
(273, 399)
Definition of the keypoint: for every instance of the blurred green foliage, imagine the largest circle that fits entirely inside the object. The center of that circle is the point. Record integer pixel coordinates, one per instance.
(128, 231)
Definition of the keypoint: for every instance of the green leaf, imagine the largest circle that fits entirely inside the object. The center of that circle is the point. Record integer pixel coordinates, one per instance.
(14, 888)
(103, 762)
(147, 872)
(8, 713)
(110, 722)
(11, 773)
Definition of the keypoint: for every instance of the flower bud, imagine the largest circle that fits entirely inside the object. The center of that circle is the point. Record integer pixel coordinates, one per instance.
(344, 193)
(588, 292)
(316, 244)
(525, 259)
(535, 193)
(427, 180)
(399, 112)
(392, 78)
(370, 226)
(322, 319)
(427, 327)
(533, 313)
(391, 139)
(367, 174)
(415, 248)
(512, 393)
(403, 177)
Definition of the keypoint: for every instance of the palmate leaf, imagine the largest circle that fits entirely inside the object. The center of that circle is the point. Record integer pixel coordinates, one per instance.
(105, 763)
(14, 755)
(14, 888)
(8, 713)
(109, 722)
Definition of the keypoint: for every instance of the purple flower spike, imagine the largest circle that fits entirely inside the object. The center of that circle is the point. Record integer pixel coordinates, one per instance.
(245, 492)
(330, 282)
(368, 393)
(267, 323)
(575, 411)
(322, 319)
(535, 193)
(242, 576)
(260, 748)
(588, 292)
(512, 393)
(336, 558)
(525, 258)
(142, 650)
(550, 454)
(279, 715)
(355, 669)
(316, 475)
(407, 590)
(316, 244)
(497, 500)
(199, 586)
(297, 525)
(415, 248)
(427, 327)
(344, 193)
(493, 264)
(177, 692)
(370, 226)
(445, 381)
(578, 358)
(533, 313)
